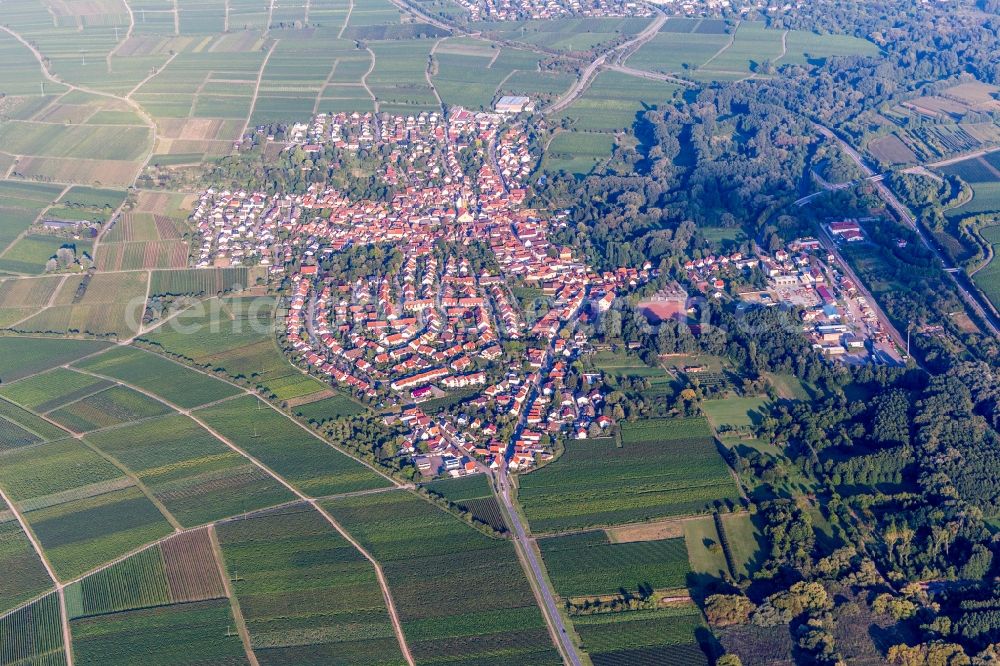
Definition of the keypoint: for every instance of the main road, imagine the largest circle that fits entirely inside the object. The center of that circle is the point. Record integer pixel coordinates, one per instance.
(523, 545)
(904, 214)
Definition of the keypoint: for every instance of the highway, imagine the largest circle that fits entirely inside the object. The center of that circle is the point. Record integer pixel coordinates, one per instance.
(904, 214)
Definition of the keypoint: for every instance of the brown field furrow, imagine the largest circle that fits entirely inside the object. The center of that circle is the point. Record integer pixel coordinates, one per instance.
(191, 570)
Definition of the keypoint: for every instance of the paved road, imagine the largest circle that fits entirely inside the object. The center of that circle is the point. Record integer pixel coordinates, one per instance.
(587, 76)
(904, 214)
(523, 544)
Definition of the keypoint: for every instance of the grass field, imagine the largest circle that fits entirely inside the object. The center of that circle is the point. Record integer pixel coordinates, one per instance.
(307, 462)
(735, 413)
(308, 595)
(588, 564)
(704, 547)
(327, 409)
(460, 594)
(665, 467)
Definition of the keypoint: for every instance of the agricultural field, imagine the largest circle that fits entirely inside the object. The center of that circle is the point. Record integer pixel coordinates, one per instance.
(162, 377)
(24, 574)
(82, 509)
(180, 634)
(564, 34)
(19, 427)
(167, 602)
(331, 408)
(985, 199)
(20, 298)
(487, 613)
(664, 467)
(578, 152)
(398, 80)
(197, 281)
(23, 356)
(588, 564)
(109, 304)
(472, 78)
(613, 101)
(236, 335)
(988, 278)
(196, 477)
(308, 596)
(666, 637)
(716, 50)
(141, 240)
(472, 494)
(106, 408)
(52, 389)
(33, 634)
(307, 462)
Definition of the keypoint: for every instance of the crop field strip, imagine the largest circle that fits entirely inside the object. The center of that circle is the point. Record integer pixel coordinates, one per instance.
(237, 335)
(588, 564)
(459, 593)
(82, 509)
(25, 575)
(663, 637)
(472, 494)
(665, 467)
(306, 593)
(112, 305)
(197, 477)
(313, 466)
(33, 634)
(167, 379)
(142, 604)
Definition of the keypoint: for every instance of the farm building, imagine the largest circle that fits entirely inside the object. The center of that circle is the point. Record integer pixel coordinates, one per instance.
(514, 104)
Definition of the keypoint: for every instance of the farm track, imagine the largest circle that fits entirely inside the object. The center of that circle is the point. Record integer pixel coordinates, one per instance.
(347, 19)
(256, 88)
(386, 593)
(427, 72)
(128, 34)
(364, 79)
(60, 586)
(234, 603)
(724, 48)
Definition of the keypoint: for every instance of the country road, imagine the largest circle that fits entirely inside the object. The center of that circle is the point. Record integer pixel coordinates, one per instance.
(583, 82)
(523, 545)
(904, 214)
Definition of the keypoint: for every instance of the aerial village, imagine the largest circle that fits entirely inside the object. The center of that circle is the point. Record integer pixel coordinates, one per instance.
(512, 10)
(836, 317)
(435, 325)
